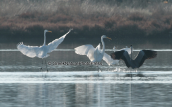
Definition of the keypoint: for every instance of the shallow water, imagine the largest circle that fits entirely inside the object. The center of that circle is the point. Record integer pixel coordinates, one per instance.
(22, 83)
(85, 89)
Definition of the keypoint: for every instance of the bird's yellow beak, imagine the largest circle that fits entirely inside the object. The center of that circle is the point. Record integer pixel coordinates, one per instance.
(50, 31)
(109, 38)
(165, 1)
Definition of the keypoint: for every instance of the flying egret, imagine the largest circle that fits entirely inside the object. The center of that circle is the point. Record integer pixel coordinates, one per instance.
(94, 54)
(41, 51)
(138, 61)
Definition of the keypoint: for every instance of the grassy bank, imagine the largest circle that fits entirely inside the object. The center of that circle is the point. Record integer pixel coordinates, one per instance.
(130, 18)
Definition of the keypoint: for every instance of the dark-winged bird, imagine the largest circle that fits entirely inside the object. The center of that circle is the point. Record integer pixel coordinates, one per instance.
(139, 59)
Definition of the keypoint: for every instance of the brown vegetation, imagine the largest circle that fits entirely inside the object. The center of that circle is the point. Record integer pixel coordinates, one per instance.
(87, 18)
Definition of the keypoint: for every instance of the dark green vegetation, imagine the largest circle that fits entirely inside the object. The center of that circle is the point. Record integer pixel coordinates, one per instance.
(121, 18)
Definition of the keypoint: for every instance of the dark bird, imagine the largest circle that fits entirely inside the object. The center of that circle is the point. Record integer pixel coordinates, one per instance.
(139, 59)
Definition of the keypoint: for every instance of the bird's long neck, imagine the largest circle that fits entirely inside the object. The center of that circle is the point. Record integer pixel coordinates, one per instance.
(114, 49)
(131, 52)
(103, 50)
(44, 38)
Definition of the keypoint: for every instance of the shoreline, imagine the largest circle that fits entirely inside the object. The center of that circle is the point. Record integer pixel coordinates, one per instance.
(87, 18)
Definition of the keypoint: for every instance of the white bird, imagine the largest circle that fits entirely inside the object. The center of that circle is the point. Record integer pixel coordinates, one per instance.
(127, 49)
(41, 51)
(138, 61)
(107, 58)
(94, 54)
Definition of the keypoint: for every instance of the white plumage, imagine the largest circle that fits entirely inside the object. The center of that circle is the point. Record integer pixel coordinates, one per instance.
(107, 58)
(125, 49)
(94, 54)
(42, 51)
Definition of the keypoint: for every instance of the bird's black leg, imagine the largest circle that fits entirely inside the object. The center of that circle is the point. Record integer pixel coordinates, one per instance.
(99, 70)
(41, 65)
(109, 68)
(98, 73)
(131, 75)
(46, 65)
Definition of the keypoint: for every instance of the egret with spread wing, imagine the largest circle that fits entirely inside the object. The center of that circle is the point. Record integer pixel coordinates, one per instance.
(94, 54)
(138, 61)
(41, 51)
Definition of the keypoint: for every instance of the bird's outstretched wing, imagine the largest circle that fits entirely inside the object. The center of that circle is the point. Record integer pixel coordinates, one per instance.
(84, 49)
(107, 58)
(150, 54)
(143, 55)
(127, 49)
(54, 44)
(98, 47)
(117, 55)
(122, 55)
(30, 51)
(128, 61)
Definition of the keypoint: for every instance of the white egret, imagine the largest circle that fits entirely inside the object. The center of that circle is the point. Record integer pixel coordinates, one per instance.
(41, 51)
(138, 61)
(126, 49)
(94, 54)
(107, 58)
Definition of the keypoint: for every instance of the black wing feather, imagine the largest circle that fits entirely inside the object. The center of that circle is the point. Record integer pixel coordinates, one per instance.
(139, 60)
(121, 55)
(149, 54)
(126, 59)
(143, 55)
(117, 55)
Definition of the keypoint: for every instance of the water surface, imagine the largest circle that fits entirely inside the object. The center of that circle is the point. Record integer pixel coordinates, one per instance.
(22, 83)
